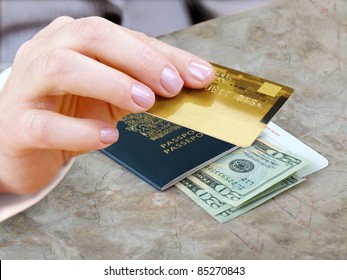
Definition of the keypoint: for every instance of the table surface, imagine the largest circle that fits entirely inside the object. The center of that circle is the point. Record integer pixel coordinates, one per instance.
(101, 211)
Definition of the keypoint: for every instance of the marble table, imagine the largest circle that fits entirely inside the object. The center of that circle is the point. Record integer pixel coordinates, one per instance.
(101, 211)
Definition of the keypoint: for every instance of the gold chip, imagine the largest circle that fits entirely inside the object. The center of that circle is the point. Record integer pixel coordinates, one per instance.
(269, 89)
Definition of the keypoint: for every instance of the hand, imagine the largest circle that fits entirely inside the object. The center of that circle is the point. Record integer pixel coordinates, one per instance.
(68, 87)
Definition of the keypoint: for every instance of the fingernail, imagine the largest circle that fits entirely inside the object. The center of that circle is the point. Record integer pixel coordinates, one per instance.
(171, 81)
(200, 71)
(142, 96)
(109, 135)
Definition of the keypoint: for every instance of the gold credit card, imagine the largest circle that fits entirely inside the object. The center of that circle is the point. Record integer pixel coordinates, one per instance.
(235, 107)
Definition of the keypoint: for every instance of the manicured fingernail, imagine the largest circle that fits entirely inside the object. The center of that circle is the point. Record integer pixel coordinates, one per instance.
(200, 71)
(171, 81)
(142, 96)
(109, 135)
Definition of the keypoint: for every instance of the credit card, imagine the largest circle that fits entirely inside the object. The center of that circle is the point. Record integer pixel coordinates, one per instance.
(235, 107)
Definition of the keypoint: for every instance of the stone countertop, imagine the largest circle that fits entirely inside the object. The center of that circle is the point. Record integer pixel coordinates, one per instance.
(101, 211)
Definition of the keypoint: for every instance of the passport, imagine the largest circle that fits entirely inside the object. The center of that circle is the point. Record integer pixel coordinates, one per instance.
(162, 153)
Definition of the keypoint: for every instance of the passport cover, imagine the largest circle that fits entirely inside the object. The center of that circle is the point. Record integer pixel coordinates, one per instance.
(160, 152)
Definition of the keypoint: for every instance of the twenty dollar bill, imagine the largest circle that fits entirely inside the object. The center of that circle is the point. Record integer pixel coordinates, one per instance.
(242, 180)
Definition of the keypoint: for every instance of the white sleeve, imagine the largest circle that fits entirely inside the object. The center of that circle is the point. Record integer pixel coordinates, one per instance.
(12, 204)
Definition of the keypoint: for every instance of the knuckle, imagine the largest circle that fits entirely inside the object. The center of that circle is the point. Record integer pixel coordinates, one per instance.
(122, 86)
(111, 83)
(38, 130)
(174, 53)
(54, 63)
(140, 35)
(92, 30)
(63, 19)
(143, 37)
(147, 58)
(25, 50)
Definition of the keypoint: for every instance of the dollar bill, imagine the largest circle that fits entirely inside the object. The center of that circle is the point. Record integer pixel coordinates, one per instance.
(223, 212)
(221, 181)
(243, 174)
(275, 190)
(203, 198)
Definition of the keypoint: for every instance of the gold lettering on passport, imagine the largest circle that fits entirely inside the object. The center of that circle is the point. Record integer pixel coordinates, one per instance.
(149, 126)
(179, 141)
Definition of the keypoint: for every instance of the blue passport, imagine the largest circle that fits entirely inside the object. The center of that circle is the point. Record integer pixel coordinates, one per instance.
(163, 153)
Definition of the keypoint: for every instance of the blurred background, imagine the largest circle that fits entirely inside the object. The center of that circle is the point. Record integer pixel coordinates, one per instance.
(20, 20)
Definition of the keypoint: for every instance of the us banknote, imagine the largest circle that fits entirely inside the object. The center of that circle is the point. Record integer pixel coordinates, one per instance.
(224, 212)
(247, 172)
(202, 197)
(261, 198)
(281, 144)
(242, 180)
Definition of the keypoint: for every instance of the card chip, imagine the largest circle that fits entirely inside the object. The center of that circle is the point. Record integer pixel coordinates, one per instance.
(269, 89)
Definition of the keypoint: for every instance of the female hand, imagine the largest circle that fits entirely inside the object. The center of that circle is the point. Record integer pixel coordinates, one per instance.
(71, 83)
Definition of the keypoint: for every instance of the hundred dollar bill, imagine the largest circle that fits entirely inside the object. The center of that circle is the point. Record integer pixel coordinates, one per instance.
(273, 191)
(203, 198)
(246, 172)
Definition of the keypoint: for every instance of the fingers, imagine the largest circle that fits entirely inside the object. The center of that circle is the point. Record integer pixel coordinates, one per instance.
(38, 129)
(63, 70)
(113, 46)
(152, 63)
